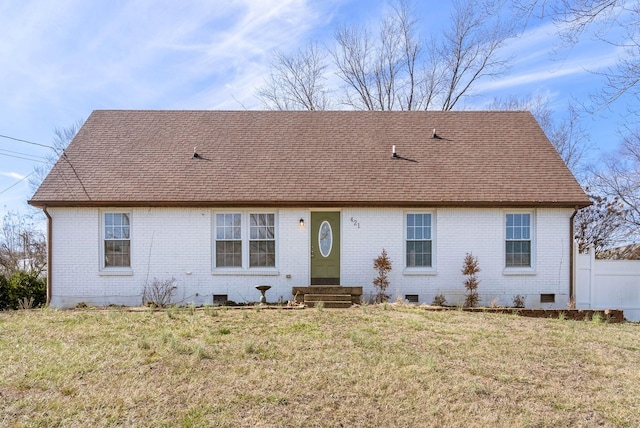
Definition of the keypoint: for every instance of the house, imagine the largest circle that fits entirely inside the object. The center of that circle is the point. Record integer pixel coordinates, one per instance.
(224, 201)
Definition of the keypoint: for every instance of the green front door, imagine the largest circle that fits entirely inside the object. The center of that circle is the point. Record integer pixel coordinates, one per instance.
(325, 248)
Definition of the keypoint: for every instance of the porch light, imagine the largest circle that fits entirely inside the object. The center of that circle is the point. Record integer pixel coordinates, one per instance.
(301, 222)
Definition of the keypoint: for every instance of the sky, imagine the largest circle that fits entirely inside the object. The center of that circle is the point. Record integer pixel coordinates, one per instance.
(62, 59)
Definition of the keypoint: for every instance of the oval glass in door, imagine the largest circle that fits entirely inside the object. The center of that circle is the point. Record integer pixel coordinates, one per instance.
(325, 238)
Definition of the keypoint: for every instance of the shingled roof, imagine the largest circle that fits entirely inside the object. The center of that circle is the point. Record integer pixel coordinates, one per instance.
(294, 158)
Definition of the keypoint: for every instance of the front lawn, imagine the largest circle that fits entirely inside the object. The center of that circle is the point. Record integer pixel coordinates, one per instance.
(387, 365)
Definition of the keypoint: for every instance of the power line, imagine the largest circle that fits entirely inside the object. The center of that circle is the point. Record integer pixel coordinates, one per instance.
(20, 157)
(26, 156)
(27, 142)
(16, 183)
(63, 155)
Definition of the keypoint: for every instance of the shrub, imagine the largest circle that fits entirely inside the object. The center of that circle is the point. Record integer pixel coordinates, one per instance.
(470, 268)
(439, 300)
(518, 301)
(23, 290)
(382, 264)
(159, 293)
(4, 293)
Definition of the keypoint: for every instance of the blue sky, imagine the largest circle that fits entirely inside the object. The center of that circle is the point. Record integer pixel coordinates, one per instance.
(62, 59)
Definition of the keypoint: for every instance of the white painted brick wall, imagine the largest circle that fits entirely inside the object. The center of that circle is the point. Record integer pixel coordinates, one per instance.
(458, 231)
(174, 242)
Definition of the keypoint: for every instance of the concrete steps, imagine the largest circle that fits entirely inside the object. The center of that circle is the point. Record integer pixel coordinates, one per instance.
(328, 300)
(331, 296)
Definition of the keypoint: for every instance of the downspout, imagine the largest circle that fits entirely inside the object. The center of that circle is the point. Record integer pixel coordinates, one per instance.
(572, 256)
(49, 257)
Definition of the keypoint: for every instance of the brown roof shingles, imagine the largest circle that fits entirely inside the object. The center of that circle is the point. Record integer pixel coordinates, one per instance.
(337, 158)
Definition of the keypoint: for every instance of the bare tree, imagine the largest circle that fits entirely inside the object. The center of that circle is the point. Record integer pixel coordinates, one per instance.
(61, 139)
(355, 60)
(619, 180)
(567, 135)
(614, 22)
(392, 69)
(380, 74)
(432, 79)
(22, 245)
(296, 82)
(600, 225)
(469, 50)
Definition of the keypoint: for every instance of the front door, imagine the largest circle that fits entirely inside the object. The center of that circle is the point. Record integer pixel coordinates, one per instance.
(325, 248)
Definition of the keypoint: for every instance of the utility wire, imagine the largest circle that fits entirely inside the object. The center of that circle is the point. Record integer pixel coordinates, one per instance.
(23, 154)
(16, 183)
(23, 157)
(25, 141)
(63, 155)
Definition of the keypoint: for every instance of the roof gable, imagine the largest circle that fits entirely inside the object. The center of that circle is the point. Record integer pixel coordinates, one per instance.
(336, 158)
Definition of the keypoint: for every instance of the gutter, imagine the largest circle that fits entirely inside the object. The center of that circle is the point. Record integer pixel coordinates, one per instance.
(49, 256)
(572, 286)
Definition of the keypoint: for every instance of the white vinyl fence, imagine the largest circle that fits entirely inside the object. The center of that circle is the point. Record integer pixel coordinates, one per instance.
(608, 284)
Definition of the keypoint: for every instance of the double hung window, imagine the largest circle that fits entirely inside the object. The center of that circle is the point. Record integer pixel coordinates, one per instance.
(518, 240)
(228, 240)
(117, 240)
(419, 242)
(245, 239)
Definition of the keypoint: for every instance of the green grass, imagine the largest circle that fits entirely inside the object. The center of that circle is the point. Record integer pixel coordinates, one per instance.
(376, 366)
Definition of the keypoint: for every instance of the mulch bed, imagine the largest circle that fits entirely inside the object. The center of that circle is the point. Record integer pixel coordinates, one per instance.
(609, 315)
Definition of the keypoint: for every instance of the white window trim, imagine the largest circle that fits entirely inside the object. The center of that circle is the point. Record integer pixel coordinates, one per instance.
(533, 237)
(115, 270)
(419, 270)
(245, 239)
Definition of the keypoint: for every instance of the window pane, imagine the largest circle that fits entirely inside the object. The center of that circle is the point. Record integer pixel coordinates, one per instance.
(262, 254)
(419, 253)
(517, 233)
(228, 226)
(517, 220)
(117, 253)
(518, 254)
(228, 254)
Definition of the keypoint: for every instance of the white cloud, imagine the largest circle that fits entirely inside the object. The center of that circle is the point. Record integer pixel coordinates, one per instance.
(13, 175)
(537, 66)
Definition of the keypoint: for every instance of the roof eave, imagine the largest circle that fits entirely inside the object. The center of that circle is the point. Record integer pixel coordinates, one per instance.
(311, 203)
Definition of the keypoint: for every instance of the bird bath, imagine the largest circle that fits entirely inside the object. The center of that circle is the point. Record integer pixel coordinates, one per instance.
(262, 289)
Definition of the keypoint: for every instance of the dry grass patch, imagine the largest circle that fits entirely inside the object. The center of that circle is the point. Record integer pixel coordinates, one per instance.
(381, 365)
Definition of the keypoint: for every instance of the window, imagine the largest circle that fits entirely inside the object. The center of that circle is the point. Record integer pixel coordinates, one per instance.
(419, 249)
(228, 240)
(262, 240)
(117, 240)
(245, 240)
(518, 240)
